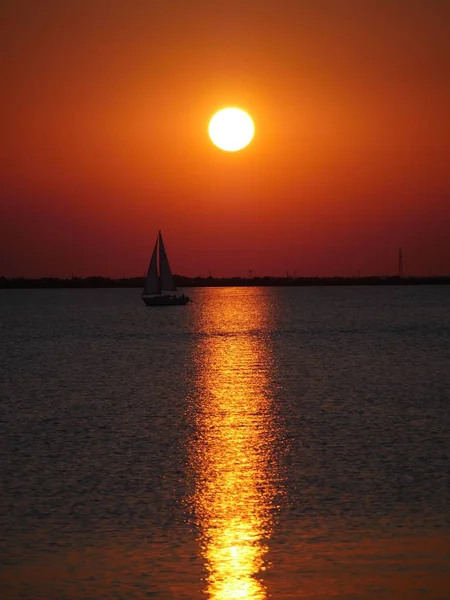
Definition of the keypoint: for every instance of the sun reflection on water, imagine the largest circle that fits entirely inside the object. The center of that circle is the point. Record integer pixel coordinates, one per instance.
(233, 450)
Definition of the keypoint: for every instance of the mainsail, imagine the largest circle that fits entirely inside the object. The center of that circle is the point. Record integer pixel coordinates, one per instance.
(159, 286)
(152, 283)
(159, 280)
(166, 277)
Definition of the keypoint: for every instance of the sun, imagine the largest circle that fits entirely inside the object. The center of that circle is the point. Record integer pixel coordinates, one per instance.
(231, 129)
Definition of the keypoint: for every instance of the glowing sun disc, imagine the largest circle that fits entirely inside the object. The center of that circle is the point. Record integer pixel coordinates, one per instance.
(231, 129)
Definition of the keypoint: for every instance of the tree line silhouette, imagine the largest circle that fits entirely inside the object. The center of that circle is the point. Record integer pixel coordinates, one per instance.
(182, 281)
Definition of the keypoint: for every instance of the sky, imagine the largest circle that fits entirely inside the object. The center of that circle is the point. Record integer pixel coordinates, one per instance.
(105, 114)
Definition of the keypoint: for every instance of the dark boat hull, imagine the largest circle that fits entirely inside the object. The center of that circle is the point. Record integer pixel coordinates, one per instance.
(166, 300)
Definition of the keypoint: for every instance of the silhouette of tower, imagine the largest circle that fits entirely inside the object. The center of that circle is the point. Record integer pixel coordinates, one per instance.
(400, 262)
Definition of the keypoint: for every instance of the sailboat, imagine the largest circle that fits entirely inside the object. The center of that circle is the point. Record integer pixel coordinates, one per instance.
(159, 286)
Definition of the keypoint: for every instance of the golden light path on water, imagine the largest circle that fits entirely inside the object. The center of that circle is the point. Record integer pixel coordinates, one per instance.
(233, 453)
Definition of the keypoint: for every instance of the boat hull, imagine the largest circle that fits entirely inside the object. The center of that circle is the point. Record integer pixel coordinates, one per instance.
(165, 300)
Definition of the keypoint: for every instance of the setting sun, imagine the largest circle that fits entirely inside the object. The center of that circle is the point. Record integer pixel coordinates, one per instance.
(231, 129)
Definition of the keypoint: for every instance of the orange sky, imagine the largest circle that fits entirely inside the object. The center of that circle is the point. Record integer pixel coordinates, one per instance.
(105, 113)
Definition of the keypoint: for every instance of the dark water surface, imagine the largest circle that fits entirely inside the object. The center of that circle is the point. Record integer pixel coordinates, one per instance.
(259, 443)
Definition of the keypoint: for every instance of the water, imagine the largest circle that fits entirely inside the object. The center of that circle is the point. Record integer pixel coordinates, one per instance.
(259, 443)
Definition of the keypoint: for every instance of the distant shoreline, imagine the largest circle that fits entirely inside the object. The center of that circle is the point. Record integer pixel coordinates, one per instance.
(181, 281)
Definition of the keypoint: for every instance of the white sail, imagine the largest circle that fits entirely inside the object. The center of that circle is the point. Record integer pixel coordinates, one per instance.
(167, 282)
(159, 286)
(152, 283)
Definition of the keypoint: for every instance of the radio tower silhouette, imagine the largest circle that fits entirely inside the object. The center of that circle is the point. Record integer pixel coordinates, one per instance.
(400, 262)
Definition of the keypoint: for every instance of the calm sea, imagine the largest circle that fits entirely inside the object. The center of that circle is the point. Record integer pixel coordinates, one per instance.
(284, 443)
